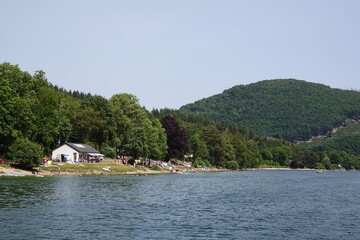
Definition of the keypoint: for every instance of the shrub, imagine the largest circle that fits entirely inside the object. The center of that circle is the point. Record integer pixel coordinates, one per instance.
(233, 165)
(207, 163)
(26, 153)
(199, 163)
(319, 166)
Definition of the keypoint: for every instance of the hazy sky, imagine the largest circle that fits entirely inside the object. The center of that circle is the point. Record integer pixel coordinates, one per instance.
(173, 52)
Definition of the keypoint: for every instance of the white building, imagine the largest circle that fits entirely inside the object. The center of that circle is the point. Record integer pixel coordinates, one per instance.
(74, 152)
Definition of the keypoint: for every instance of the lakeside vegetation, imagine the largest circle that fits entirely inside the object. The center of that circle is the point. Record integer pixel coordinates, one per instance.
(35, 117)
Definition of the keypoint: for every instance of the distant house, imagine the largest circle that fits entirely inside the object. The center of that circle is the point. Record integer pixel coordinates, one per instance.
(75, 151)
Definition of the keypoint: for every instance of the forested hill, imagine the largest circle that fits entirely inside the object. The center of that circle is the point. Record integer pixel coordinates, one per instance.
(35, 117)
(283, 108)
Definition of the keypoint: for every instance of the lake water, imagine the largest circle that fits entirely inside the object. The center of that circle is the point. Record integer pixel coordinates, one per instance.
(238, 205)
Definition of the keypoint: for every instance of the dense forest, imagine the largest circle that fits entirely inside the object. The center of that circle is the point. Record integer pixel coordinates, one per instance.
(345, 138)
(284, 108)
(36, 117)
(33, 111)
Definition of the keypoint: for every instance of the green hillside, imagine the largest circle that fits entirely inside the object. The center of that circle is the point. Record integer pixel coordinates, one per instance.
(35, 117)
(283, 108)
(346, 138)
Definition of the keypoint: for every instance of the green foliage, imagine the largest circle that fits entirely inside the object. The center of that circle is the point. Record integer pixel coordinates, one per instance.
(233, 165)
(157, 139)
(28, 108)
(108, 152)
(199, 163)
(319, 166)
(284, 108)
(304, 158)
(198, 147)
(26, 153)
(47, 118)
(269, 164)
(346, 138)
(132, 130)
(35, 113)
(34, 109)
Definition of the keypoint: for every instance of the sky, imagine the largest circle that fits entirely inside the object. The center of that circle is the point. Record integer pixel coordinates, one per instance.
(170, 53)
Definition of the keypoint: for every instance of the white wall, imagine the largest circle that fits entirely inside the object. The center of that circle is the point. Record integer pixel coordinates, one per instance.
(65, 149)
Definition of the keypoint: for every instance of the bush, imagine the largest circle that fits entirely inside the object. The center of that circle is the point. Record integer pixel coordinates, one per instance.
(319, 166)
(199, 163)
(269, 163)
(334, 167)
(26, 153)
(233, 165)
(207, 163)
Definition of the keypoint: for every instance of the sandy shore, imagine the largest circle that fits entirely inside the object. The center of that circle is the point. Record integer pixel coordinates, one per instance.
(14, 171)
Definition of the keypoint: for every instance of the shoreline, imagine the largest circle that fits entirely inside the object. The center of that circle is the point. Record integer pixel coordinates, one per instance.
(137, 172)
(95, 170)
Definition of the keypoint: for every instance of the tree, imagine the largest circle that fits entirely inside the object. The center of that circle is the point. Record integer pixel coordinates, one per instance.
(8, 102)
(252, 154)
(304, 158)
(26, 153)
(198, 147)
(98, 103)
(90, 126)
(273, 107)
(124, 113)
(46, 118)
(229, 149)
(157, 139)
(219, 145)
(177, 140)
(131, 129)
(280, 155)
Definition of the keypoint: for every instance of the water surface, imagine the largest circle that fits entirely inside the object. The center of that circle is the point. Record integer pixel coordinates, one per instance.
(238, 205)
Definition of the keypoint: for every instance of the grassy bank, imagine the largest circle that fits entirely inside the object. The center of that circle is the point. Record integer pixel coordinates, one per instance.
(106, 167)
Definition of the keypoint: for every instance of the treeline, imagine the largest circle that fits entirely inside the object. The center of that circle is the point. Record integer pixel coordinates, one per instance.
(75, 93)
(203, 121)
(33, 112)
(213, 145)
(284, 108)
(35, 118)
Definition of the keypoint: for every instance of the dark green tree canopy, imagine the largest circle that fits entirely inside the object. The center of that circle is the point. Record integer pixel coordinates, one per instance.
(35, 115)
(283, 108)
(177, 140)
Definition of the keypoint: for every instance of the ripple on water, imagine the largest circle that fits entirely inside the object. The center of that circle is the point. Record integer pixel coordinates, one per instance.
(241, 205)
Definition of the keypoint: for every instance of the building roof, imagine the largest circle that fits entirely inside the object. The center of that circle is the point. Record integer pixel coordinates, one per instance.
(82, 147)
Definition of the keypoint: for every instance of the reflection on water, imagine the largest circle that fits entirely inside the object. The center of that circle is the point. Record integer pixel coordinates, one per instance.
(241, 205)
